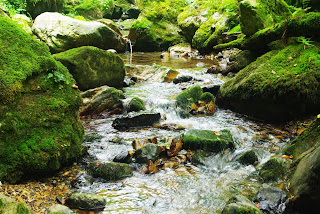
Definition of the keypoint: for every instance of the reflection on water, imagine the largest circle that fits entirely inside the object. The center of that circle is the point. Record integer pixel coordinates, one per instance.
(190, 188)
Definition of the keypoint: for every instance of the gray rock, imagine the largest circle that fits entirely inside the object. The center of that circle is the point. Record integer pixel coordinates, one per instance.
(146, 153)
(271, 200)
(123, 157)
(61, 33)
(109, 171)
(240, 205)
(85, 201)
(138, 121)
(102, 99)
(58, 208)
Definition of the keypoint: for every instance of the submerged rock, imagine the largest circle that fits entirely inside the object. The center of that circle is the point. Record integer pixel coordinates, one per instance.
(208, 140)
(146, 153)
(40, 127)
(85, 201)
(109, 171)
(271, 200)
(61, 33)
(92, 67)
(99, 100)
(240, 205)
(11, 206)
(137, 121)
(58, 208)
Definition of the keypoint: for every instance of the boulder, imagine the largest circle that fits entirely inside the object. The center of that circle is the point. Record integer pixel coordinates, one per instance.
(85, 201)
(110, 24)
(274, 169)
(153, 36)
(11, 206)
(259, 14)
(101, 100)
(61, 33)
(278, 86)
(180, 79)
(189, 25)
(36, 7)
(24, 21)
(208, 140)
(241, 59)
(240, 205)
(109, 171)
(305, 184)
(137, 121)
(92, 67)
(58, 208)
(149, 152)
(271, 200)
(136, 104)
(40, 128)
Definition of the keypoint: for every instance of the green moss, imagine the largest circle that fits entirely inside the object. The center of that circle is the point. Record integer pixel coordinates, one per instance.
(136, 104)
(280, 85)
(40, 129)
(189, 96)
(207, 97)
(208, 140)
(1, 203)
(22, 209)
(274, 169)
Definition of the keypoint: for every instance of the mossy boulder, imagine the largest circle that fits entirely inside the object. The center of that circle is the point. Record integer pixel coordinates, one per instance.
(170, 75)
(101, 100)
(274, 169)
(259, 14)
(92, 67)
(208, 140)
(91, 9)
(85, 201)
(61, 33)
(11, 206)
(278, 86)
(189, 25)
(149, 36)
(240, 205)
(109, 171)
(136, 104)
(24, 21)
(40, 128)
(210, 32)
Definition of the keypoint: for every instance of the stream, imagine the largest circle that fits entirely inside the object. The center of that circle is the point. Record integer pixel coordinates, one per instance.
(191, 188)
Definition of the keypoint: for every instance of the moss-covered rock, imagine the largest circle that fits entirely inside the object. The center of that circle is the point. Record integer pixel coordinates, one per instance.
(109, 171)
(305, 143)
(240, 205)
(85, 201)
(259, 14)
(40, 128)
(148, 152)
(10, 206)
(92, 9)
(36, 7)
(193, 100)
(305, 184)
(137, 121)
(274, 169)
(208, 140)
(92, 67)
(136, 104)
(24, 21)
(248, 157)
(101, 100)
(278, 86)
(170, 75)
(61, 33)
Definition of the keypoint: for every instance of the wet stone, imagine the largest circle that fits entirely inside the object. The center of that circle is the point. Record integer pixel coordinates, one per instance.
(85, 201)
(138, 121)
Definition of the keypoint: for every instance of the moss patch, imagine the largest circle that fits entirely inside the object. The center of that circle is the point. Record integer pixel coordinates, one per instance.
(40, 129)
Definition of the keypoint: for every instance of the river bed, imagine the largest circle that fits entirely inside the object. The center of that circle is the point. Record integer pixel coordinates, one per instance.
(191, 188)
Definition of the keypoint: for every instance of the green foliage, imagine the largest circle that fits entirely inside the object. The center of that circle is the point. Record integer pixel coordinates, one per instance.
(22, 209)
(305, 41)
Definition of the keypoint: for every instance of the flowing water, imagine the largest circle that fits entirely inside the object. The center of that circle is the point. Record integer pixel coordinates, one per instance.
(202, 188)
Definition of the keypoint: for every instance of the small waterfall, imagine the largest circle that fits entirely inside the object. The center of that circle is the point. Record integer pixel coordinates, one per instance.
(130, 48)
